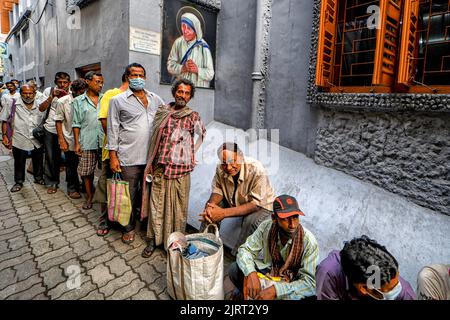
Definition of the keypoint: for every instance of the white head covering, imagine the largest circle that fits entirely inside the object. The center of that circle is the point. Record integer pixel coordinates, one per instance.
(195, 22)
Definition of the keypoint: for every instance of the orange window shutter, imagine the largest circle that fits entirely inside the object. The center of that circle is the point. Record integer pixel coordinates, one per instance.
(327, 35)
(408, 42)
(387, 43)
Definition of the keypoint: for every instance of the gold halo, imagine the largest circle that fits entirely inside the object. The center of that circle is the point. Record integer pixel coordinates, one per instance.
(195, 12)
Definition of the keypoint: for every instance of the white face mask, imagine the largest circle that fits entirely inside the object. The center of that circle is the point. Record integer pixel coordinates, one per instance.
(391, 295)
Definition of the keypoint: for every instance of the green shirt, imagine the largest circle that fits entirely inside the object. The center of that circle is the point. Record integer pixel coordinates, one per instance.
(254, 255)
(85, 118)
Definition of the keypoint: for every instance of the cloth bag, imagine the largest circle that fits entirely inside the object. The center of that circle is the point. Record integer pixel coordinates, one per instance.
(198, 279)
(39, 131)
(10, 122)
(119, 201)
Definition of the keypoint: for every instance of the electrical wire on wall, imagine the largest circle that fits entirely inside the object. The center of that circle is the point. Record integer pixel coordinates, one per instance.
(42, 13)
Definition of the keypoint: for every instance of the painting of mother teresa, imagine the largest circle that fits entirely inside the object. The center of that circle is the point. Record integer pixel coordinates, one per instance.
(191, 55)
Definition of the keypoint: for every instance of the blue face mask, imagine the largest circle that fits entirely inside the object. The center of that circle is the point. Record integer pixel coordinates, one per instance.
(137, 84)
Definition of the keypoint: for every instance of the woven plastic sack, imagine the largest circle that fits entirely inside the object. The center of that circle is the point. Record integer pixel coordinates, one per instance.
(119, 201)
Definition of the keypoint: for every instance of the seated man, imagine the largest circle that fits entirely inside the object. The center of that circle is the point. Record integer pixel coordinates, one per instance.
(363, 269)
(433, 283)
(281, 251)
(240, 188)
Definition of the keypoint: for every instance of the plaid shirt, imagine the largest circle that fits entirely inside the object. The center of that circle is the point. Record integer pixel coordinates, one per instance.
(177, 149)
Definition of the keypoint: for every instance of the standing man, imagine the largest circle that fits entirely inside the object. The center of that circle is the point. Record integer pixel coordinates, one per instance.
(348, 274)
(281, 251)
(26, 117)
(88, 133)
(100, 195)
(171, 161)
(130, 123)
(63, 120)
(52, 150)
(241, 188)
(190, 57)
(8, 97)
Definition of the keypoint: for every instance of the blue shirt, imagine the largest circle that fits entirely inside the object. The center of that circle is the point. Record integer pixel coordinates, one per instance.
(85, 118)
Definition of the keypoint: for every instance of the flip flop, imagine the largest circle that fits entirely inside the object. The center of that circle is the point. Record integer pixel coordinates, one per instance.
(103, 228)
(74, 195)
(17, 187)
(40, 182)
(87, 206)
(128, 238)
(52, 190)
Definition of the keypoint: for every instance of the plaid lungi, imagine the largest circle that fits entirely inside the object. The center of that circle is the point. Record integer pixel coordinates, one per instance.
(88, 163)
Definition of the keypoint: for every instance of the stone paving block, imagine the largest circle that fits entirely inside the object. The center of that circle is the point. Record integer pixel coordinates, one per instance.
(45, 236)
(128, 291)
(29, 294)
(94, 295)
(148, 273)
(118, 283)
(100, 275)
(35, 207)
(25, 269)
(159, 285)
(67, 226)
(159, 261)
(20, 286)
(92, 263)
(121, 247)
(118, 266)
(164, 295)
(80, 222)
(113, 236)
(144, 294)
(71, 216)
(31, 227)
(8, 233)
(35, 216)
(16, 261)
(41, 297)
(23, 210)
(95, 253)
(58, 242)
(4, 246)
(63, 288)
(77, 294)
(7, 215)
(52, 255)
(15, 253)
(72, 234)
(40, 231)
(53, 277)
(10, 223)
(57, 261)
(7, 278)
(96, 241)
(45, 223)
(81, 246)
(41, 248)
(17, 243)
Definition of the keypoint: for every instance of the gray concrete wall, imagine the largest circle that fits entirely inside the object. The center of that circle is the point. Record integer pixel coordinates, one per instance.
(235, 56)
(406, 153)
(102, 38)
(286, 106)
(148, 15)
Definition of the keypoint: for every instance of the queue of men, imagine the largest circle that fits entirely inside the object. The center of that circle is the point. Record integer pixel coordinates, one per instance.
(152, 144)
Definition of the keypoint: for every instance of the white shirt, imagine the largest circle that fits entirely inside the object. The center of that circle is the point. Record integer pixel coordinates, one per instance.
(64, 113)
(7, 98)
(25, 121)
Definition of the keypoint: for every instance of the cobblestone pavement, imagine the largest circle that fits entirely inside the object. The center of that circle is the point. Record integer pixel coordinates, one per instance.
(43, 237)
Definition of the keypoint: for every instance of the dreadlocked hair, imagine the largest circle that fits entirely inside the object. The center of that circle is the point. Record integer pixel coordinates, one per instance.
(286, 269)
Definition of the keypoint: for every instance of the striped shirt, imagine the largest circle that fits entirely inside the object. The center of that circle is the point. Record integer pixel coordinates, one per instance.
(176, 149)
(254, 255)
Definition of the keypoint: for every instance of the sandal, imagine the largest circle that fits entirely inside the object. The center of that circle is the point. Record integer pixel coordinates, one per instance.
(128, 238)
(103, 228)
(40, 182)
(52, 190)
(74, 195)
(17, 187)
(87, 206)
(148, 251)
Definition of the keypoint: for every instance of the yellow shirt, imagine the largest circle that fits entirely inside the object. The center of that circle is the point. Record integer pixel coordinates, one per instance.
(103, 114)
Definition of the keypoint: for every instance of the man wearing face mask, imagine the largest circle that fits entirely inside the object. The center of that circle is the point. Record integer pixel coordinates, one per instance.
(178, 133)
(363, 269)
(129, 127)
(26, 117)
(278, 261)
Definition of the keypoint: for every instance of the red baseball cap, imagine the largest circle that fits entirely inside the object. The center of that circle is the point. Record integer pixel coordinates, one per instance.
(286, 206)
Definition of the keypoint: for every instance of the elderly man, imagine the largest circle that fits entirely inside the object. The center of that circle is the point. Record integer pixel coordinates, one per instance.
(363, 269)
(170, 163)
(52, 150)
(240, 188)
(88, 132)
(278, 261)
(26, 117)
(130, 121)
(190, 57)
(63, 121)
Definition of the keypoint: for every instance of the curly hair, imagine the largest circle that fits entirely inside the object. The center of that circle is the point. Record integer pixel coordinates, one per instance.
(181, 81)
(361, 253)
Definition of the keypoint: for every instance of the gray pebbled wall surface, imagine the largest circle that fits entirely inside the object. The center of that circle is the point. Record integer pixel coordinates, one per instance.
(407, 153)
